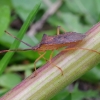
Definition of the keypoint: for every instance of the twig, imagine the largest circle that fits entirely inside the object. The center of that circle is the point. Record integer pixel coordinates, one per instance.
(48, 3)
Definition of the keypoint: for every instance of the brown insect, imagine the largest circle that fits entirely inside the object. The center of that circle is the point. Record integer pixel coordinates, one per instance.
(53, 43)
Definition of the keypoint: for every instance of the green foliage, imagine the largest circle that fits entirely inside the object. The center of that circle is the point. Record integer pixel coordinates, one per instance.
(63, 95)
(6, 2)
(79, 95)
(24, 7)
(95, 75)
(73, 15)
(4, 18)
(16, 43)
(5, 80)
(76, 94)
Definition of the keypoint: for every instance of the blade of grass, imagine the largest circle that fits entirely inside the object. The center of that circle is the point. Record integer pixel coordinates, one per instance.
(5, 60)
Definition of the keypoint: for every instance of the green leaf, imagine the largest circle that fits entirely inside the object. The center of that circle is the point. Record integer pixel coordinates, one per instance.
(6, 2)
(4, 18)
(95, 73)
(24, 7)
(72, 22)
(3, 91)
(7, 57)
(89, 9)
(68, 97)
(6, 80)
(61, 95)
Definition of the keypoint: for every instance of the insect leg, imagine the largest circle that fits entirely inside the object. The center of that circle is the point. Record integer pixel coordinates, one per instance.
(37, 61)
(75, 48)
(18, 39)
(53, 64)
(58, 30)
(43, 56)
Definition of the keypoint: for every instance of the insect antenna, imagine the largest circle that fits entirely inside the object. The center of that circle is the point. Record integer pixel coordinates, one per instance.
(3, 51)
(17, 39)
(16, 50)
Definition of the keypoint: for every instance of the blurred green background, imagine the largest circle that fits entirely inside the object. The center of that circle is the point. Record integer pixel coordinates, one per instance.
(72, 15)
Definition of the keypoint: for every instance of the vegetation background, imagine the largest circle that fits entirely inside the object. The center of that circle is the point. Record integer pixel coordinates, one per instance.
(72, 15)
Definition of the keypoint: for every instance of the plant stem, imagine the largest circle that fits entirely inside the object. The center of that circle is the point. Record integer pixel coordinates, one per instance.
(49, 80)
